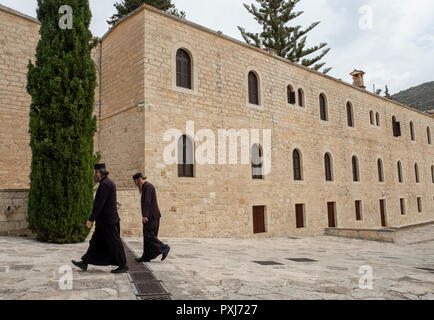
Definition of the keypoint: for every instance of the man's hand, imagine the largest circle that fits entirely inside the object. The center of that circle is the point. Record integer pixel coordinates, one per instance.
(145, 220)
(89, 224)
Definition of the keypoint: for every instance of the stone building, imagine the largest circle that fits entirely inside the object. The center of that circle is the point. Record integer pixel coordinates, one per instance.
(335, 155)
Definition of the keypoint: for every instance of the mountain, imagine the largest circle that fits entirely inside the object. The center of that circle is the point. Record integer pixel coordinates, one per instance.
(420, 97)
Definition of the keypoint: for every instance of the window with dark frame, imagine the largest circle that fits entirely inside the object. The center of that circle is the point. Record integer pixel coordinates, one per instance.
(416, 173)
(300, 98)
(328, 167)
(350, 115)
(380, 170)
(377, 118)
(396, 127)
(428, 133)
(183, 69)
(412, 131)
(296, 159)
(323, 107)
(358, 205)
(355, 164)
(257, 173)
(419, 205)
(291, 94)
(400, 177)
(253, 88)
(371, 116)
(402, 205)
(185, 157)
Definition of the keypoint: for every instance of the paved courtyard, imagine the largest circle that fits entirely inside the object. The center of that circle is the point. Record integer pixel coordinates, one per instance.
(225, 269)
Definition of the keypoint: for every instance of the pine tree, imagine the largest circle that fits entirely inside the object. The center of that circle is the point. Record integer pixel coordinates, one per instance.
(127, 6)
(286, 41)
(387, 94)
(62, 126)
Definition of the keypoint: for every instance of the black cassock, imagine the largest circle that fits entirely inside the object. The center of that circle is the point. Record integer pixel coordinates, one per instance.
(152, 247)
(106, 246)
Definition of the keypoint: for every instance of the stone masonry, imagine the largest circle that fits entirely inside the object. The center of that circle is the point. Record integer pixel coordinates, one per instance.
(137, 101)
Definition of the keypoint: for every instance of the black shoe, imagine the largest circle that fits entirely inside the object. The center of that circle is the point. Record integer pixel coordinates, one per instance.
(123, 269)
(81, 265)
(142, 260)
(165, 253)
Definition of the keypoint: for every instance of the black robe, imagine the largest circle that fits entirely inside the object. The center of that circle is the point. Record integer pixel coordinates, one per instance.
(106, 246)
(152, 247)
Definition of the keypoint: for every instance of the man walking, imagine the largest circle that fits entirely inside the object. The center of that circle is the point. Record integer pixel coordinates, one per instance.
(106, 246)
(152, 247)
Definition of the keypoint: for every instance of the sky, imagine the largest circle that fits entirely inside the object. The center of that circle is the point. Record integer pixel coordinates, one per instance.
(391, 40)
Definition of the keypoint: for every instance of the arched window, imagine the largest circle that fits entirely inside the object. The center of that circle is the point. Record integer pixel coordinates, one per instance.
(291, 94)
(371, 117)
(328, 167)
(356, 175)
(400, 177)
(380, 170)
(185, 157)
(350, 115)
(257, 162)
(253, 88)
(377, 117)
(296, 160)
(428, 134)
(416, 173)
(323, 107)
(301, 97)
(412, 131)
(183, 69)
(396, 127)
(432, 173)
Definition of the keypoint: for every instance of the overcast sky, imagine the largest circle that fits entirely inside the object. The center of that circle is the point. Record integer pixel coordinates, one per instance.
(394, 47)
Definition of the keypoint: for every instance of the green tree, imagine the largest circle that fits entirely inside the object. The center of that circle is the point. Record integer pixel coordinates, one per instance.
(387, 94)
(127, 6)
(286, 40)
(62, 126)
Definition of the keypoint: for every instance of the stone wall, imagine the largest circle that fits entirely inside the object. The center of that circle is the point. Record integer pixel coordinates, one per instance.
(18, 39)
(218, 201)
(13, 212)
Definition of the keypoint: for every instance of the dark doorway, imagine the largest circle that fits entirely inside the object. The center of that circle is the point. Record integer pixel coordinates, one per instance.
(331, 209)
(259, 219)
(383, 213)
(299, 215)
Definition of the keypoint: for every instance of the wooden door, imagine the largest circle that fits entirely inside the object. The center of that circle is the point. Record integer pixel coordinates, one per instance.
(383, 213)
(331, 214)
(299, 215)
(259, 219)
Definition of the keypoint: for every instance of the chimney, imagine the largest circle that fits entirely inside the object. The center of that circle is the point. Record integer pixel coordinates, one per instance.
(358, 78)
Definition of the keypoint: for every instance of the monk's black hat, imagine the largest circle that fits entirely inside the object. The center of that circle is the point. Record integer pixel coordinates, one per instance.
(138, 176)
(100, 166)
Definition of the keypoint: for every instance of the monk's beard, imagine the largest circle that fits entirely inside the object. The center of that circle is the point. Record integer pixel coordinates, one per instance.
(95, 179)
(140, 188)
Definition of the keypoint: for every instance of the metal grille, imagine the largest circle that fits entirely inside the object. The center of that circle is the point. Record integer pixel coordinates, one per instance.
(268, 263)
(301, 260)
(145, 284)
(141, 276)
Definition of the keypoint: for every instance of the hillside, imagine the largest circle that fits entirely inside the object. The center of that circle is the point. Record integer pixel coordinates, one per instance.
(420, 97)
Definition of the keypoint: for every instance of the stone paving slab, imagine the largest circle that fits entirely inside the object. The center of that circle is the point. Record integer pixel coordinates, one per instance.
(224, 268)
(29, 270)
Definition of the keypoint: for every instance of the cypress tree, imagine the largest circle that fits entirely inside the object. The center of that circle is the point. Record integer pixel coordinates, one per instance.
(62, 126)
(287, 41)
(127, 6)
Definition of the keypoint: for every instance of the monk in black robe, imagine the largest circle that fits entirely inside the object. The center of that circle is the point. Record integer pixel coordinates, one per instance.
(152, 247)
(106, 246)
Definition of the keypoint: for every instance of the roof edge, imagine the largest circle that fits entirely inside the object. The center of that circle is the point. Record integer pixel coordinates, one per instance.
(122, 20)
(17, 13)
